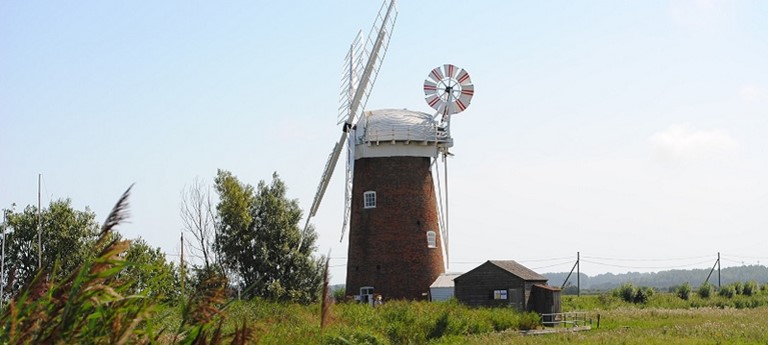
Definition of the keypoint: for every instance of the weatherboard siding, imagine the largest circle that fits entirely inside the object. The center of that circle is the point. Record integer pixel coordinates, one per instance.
(476, 287)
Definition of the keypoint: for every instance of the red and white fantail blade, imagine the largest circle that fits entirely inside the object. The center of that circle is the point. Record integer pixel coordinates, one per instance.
(450, 70)
(436, 75)
(434, 101)
(463, 77)
(430, 88)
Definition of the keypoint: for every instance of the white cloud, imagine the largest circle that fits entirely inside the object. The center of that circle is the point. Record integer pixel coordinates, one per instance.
(753, 93)
(683, 142)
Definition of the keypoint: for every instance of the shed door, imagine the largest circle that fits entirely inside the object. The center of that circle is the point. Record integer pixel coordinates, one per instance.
(516, 298)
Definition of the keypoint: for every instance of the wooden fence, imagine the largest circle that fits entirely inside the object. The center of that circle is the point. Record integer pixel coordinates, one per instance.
(572, 319)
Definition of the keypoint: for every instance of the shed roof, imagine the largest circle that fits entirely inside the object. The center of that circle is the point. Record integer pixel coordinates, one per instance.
(546, 287)
(445, 280)
(517, 269)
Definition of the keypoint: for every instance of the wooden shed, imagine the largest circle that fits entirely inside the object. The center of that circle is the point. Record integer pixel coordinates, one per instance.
(506, 283)
(544, 299)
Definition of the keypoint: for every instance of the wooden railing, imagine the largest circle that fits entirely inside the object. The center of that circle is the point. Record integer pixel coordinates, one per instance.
(572, 319)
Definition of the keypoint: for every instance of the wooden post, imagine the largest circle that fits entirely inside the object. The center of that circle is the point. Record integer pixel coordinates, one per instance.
(578, 274)
(39, 226)
(718, 271)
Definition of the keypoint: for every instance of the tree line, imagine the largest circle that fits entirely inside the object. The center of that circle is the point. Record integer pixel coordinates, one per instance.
(664, 279)
(250, 236)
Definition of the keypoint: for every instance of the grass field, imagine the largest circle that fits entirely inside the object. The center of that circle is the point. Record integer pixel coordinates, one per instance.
(630, 325)
(665, 319)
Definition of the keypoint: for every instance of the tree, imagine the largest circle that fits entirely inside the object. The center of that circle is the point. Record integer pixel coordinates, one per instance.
(198, 218)
(260, 241)
(67, 239)
(148, 272)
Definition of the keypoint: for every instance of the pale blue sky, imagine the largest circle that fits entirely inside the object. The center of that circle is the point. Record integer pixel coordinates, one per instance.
(618, 129)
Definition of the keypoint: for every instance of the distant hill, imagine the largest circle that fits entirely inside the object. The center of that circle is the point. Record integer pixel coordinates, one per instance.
(664, 279)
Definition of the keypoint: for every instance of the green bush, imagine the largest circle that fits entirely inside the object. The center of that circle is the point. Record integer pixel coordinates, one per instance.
(626, 292)
(705, 290)
(738, 287)
(750, 288)
(631, 294)
(352, 337)
(529, 321)
(684, 291)
(339, 295)
(504, 319)
(728, 291)
(642, 295)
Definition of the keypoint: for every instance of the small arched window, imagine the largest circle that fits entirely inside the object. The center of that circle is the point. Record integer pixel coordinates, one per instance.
(369, 199)
(431, 239)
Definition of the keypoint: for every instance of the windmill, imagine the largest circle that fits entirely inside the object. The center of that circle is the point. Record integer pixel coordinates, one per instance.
(391, 206)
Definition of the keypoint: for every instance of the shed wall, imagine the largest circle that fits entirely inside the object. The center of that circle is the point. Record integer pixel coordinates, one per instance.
(441, 293)
(544, 301)
(476, 287)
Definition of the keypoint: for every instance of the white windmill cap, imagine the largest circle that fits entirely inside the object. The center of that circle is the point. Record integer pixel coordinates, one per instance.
(400, 125)
(399, 132)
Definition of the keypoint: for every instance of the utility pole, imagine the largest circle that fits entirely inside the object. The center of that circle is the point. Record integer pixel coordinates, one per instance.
(181, 265)
(578, 274)
(39, 226)
(717, 264)
(577, 267)
(718, 270)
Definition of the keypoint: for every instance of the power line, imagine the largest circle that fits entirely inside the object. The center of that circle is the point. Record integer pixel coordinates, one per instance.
(648, 259)
(548, 266)
(546, 259)
(747, 257)
(648, 267)
(740, 262)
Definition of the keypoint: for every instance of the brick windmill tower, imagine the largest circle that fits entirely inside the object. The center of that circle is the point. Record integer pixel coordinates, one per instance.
(397, 222)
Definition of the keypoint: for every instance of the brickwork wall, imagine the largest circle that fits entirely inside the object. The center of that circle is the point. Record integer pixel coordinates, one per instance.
(388, 244)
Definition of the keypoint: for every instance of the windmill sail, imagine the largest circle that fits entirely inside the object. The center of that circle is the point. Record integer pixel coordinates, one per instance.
(361, 67)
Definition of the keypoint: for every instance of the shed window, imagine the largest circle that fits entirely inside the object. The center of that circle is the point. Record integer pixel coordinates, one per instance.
(500, 294)
(431, 239)
(369, 199)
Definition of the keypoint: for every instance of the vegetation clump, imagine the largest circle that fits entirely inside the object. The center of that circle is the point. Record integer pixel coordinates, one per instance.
(705, 290)
(96, 302)
(631, 294)
(750, 288)
(684, 291)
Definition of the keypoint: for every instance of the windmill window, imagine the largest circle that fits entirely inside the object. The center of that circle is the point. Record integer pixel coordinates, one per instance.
(369, 199)
(431, 239)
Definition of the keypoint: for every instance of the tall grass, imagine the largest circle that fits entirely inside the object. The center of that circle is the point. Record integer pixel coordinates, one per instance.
(395, 322)
(93, 305)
